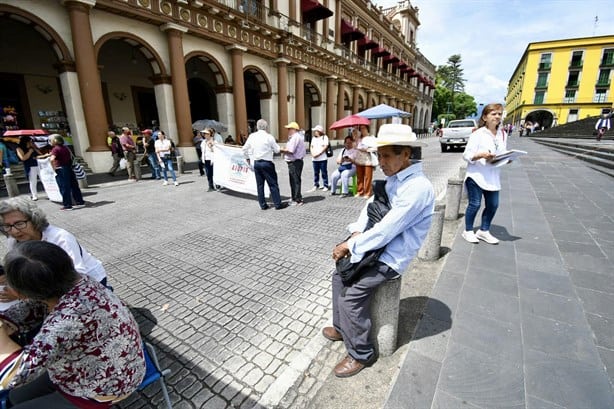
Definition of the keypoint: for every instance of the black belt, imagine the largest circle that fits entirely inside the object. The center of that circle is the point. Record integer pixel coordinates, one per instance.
(262, 160)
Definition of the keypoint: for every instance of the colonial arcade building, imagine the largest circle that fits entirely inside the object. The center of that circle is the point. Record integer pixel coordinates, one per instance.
(86, 66)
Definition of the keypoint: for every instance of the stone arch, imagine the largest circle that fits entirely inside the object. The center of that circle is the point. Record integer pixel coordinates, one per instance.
(56, 43)
(372, 102)
(151, 55)
(216, 69)
(544, 117)
(264, 85)
(361, 103)
(313, 93)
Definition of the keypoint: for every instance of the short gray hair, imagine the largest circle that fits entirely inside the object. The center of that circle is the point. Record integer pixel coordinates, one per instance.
(56, 138)
(35, 214)
(262, 125)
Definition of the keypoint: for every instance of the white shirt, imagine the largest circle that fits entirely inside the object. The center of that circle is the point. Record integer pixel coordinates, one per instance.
(207, 152)
(482, 172)
(84, 262)
(317, 144)
(260, 145)
(163, 147)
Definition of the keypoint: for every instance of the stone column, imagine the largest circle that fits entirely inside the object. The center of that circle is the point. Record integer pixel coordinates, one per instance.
(238, 87)
(355, 95)
(87, 70)
(282, 97)
(330, 104)
(174, 34)
(299, 93)
(340, 99)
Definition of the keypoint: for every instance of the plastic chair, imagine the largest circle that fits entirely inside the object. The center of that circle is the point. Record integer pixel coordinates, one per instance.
(351, 188)
(154, 372)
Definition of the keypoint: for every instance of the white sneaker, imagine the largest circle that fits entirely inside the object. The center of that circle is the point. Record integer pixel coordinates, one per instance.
(324, 188)
(176, 183)
(469, 235)
(487, 237)
(312, 190)
(165, 183)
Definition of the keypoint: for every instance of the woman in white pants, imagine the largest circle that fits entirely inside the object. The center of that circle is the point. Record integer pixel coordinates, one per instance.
(27, 152)
(346, 168)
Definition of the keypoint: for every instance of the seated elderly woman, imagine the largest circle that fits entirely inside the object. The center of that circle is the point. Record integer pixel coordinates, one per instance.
(88, 352)
(22, 220)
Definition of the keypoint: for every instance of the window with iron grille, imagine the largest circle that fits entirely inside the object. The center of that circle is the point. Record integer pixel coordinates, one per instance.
(570, 96)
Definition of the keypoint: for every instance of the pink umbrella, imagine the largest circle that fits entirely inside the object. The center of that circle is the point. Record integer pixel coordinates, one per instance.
(350, 120)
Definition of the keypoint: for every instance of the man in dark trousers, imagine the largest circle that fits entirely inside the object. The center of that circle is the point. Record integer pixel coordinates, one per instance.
(259, 150)
(400, 233)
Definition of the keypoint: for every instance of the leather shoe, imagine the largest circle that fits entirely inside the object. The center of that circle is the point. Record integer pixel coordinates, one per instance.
(332, 334)
(348, 367)
(281, 206)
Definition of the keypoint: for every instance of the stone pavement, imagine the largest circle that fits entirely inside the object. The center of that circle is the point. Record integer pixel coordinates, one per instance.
(232, 297)
(527, 323)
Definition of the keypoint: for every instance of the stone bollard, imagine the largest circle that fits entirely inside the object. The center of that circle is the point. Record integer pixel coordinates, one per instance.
(137, 167)
(462, 171)
(385, 316)
(180, 164)
(82, 183)
(453, 198)
(431, 248)
(11, 185)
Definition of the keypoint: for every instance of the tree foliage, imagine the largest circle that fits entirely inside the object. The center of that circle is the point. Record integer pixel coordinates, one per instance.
(450, 99)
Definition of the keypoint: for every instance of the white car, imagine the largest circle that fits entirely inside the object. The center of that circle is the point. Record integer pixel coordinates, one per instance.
(457, 133)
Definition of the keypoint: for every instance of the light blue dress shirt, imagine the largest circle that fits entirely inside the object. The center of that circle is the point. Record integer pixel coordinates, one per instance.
(404, 227)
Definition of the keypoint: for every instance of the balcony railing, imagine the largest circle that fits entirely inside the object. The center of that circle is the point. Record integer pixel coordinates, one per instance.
(575, 65)
(607, 62)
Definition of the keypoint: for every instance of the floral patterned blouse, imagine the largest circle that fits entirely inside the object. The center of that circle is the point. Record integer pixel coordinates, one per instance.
(88, 334)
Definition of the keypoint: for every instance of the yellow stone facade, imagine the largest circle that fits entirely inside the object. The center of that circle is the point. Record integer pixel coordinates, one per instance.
(561, 81)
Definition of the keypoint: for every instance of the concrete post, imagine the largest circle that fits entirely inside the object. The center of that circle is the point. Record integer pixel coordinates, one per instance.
(180, 164)
(385, 316)
(431, 248)
(11, 185)
(82, 183)
(137, 167)
(462, 172)
(453, 197)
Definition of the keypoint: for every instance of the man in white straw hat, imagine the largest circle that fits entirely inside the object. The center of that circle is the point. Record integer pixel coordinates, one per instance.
(409, 202)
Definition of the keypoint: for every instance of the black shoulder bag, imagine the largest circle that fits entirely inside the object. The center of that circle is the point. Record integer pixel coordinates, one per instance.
(350, 272)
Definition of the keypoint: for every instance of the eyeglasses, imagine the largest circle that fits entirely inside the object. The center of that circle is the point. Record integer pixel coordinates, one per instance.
(19, 225)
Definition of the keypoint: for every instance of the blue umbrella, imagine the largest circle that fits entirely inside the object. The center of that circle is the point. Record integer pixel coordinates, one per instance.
(383, 111)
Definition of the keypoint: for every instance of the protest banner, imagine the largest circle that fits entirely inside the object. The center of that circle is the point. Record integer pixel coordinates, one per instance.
(231, 170)
(47, 175)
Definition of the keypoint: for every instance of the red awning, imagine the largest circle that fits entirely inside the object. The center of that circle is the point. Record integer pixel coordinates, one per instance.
(380, 52)
(349, 32)
(312, 11)
(391, 59)
(402, 65)
(367, 43)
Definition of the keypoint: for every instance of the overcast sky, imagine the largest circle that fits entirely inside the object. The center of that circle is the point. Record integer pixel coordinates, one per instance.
(491, 36)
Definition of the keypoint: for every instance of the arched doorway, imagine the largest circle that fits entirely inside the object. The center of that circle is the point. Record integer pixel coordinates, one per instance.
(542, 117)
(205, 79)
(313, 99)
(256, 89)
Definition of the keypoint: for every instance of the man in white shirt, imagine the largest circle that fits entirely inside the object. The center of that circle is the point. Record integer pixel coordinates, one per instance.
(259, 150)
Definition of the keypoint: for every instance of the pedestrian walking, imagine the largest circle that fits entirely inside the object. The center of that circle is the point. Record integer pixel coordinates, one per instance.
(116, 151)
(482, 178)
(602, 125)
(164, 152)
(27, 153)
(129, 148)
(149, 143)
(207, 147)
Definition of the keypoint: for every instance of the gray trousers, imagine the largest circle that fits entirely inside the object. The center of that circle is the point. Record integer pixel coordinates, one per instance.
(351, 310)
(40, 393)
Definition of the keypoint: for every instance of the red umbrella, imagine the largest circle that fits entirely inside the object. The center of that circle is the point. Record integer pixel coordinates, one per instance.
(350, 120)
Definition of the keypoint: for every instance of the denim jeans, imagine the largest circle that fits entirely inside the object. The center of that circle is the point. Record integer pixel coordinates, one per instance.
(154, 165)
(474, 196)
(168, 164)
(69, 187)
(345, 177)
(320, 166)
(208, 167)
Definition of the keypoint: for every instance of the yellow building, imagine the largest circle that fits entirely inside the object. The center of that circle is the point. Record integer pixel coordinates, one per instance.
(87, 66)
(561, 81)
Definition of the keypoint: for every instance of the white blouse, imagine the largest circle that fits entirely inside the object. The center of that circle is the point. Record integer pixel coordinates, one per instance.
(482, 172)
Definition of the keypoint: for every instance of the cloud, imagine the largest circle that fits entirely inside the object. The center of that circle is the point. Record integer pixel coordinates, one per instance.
(492, 36)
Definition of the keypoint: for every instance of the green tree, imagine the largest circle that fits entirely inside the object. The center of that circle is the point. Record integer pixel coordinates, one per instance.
(450, 100)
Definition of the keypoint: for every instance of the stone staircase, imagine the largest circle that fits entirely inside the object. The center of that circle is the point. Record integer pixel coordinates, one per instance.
(581, 129)
(599, 155)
